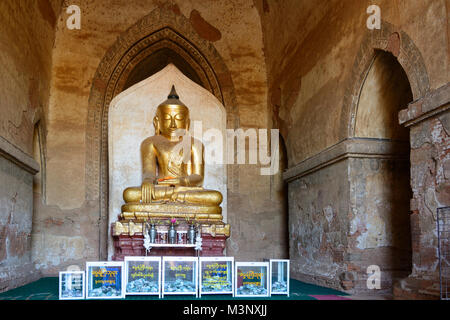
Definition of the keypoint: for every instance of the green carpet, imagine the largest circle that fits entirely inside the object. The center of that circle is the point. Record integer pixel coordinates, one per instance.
(47, 289)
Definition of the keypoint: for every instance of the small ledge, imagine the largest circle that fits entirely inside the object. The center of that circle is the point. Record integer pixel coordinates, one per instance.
(348, 148)
(173, 245)
(17, 156)
(433, 103)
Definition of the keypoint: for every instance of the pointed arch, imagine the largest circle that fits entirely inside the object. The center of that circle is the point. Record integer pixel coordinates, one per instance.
(389, 38)
(162, 28)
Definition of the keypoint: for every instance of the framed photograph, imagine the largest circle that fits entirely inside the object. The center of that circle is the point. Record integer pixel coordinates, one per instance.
(252, 279)
(179, 275)
(71, 285)
(216, 275)
(105, 280)
(143, 275)
(279, 276)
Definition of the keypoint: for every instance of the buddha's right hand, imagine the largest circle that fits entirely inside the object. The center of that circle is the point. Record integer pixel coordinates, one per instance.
(147, 191)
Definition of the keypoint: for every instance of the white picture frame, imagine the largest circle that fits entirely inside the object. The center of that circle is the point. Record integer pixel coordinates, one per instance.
(155, 261)
(170, 262)
(215, 260)
(281, 273)
(111, 273)
(65, 276)
(263, 279)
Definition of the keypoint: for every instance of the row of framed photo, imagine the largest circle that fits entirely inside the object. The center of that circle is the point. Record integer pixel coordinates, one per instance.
(175, 276)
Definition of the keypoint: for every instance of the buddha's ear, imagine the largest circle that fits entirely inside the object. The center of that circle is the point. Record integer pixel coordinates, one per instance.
(188, 124)
(156, 125)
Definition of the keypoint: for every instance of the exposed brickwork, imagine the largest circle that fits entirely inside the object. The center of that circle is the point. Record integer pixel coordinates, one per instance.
(430, 155)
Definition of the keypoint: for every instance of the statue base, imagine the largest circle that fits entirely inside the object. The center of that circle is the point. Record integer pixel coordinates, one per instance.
(125, 245)
(128, 231)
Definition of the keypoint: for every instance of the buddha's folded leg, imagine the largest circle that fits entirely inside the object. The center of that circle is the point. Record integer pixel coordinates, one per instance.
(206, 197)
(147, 194)
(132, 194)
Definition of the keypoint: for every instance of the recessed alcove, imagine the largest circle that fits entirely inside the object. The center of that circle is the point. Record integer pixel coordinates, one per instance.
(130, 121)
(382, 182)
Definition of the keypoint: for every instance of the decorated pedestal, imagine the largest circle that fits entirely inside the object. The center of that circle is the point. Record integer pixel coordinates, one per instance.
(129, 231)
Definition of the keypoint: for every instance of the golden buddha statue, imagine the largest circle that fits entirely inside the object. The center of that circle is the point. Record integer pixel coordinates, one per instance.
(172, 182)
(171, 187)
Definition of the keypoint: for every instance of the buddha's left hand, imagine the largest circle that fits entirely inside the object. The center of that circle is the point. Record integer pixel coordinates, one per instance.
(172, 181)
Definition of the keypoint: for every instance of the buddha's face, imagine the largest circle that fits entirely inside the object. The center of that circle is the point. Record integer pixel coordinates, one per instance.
(170, 118)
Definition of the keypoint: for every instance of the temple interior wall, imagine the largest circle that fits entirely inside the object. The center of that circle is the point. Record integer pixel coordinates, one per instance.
(318, 62)
(318, 224)
(16, 208)
(76, 57)
(307, 91)
(291, 64)
(26, 41)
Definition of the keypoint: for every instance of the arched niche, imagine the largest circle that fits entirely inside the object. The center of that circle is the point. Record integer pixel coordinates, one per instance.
(384, 183)
(384, 93)
(162, 29)
(130, 121)
(407, 56)
(388, 38)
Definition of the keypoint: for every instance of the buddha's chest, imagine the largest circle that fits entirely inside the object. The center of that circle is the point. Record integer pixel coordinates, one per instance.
(170, 157)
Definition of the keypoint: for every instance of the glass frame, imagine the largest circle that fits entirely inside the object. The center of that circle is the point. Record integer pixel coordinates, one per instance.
(128, 259)
(83, 283)
(215, 259)
(251, 264)
(166, 259)
(106, 264)
(287, 275)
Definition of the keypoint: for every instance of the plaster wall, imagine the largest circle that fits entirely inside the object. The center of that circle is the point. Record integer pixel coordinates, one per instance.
(318, 224)
(26, 41)
(16, 207)
(309, 73)
(385, 92)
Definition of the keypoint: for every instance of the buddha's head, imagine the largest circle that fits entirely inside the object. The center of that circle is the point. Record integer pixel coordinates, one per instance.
(171, 116)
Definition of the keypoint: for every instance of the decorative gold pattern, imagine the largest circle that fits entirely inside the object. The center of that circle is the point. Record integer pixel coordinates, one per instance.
(131, 228)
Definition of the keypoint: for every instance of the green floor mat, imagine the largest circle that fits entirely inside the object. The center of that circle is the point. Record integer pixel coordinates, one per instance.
(47, 289)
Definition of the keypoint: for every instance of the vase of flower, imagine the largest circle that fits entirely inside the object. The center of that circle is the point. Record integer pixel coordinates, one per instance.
(152, 233)
(172, 232)
(191, 234)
